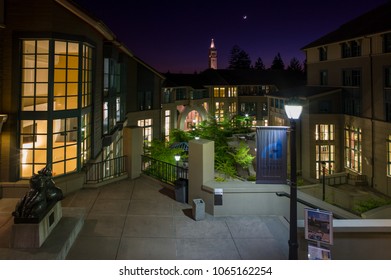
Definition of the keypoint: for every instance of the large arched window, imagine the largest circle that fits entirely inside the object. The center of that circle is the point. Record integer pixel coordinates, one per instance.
(55, 107)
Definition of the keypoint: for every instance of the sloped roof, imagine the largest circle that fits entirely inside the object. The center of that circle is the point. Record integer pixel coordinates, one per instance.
(304, 91)
(225, 77)
(375, 21)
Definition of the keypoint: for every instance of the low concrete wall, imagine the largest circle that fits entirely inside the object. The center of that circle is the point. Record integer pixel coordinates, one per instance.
(247, 198)
(355, 240)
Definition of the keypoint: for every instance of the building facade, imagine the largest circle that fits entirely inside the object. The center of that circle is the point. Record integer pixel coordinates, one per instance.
(346, 123)
(67, 90)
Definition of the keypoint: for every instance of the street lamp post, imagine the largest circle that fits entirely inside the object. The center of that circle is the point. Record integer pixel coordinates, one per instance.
(323, 182)
(177, 159)
(293, 112)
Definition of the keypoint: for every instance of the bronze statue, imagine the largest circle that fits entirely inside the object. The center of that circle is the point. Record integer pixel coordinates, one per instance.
(42, 193)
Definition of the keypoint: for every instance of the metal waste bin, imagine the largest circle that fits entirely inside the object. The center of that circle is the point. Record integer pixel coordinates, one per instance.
(181, 187)
(198, 209)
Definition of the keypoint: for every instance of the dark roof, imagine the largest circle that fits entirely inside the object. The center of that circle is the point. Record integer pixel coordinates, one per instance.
(220, 77)
(375, 21)
(304, 91)
(182, 80)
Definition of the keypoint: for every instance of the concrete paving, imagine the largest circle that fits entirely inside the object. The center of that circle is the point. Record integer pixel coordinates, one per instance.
(140, 220)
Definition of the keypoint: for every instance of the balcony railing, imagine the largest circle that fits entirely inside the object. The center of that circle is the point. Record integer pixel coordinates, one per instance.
(163, 171)
(105, 170)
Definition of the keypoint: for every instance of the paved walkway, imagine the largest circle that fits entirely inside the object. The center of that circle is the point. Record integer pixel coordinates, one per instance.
(140, 220)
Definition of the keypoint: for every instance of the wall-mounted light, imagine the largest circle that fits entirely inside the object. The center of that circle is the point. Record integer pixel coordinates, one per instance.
(3, 119)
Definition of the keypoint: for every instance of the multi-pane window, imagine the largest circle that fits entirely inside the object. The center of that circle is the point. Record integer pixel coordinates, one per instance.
(112, 108)
(147, 130)
(34, 146)
(167, 121)
(325, 155)
(111, 76)
(232, 92)
(322, 53)
(35, 75)
(249, 108)
(353, 152)
(389, 155)
(350, 49)
(351, 77)
(232, 108)
(324, 132)
(56, 79)
(64, 154)
(219, 92)
(325, 148)
(66, 75)
(219, 112)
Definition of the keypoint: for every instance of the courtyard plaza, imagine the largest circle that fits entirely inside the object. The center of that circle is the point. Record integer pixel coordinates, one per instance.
(140, 219)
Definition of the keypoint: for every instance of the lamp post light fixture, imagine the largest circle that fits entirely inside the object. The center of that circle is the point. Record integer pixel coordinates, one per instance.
(293, 112)
(323, 182)
(177, 159)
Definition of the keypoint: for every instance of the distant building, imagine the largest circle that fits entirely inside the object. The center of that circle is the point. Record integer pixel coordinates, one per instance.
(212, 55)
(346, 121)
(191, 98)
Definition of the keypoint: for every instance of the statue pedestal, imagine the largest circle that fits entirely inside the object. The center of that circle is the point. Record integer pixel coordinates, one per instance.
(33, 234)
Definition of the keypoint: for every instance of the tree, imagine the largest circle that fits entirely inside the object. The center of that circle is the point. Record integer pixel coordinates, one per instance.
(295, 66)
(258, 65)
(277, 63)
(239, 59)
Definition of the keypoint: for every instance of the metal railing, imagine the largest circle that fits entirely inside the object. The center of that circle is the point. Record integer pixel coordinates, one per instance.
(104, 170)
(163, 171)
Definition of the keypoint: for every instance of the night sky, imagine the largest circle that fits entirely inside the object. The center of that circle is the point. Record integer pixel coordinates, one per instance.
(172, 35)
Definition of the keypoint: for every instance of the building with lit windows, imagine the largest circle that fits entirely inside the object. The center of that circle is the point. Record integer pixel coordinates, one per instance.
(68, 90)
(346, 119)
(219, 93)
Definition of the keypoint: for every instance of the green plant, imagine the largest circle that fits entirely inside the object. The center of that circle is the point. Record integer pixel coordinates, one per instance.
(251, 178)
(242, 156)
(227, 167)
(220, 179)
(372, 203)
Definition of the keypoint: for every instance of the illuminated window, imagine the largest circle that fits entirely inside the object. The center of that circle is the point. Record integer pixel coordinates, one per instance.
(56, 79)
(35, 75)
(167, 119)
(353, 152)
(232, 109)
(324, 154)
(64, 154)
(232, 92)
(33, 145)
(147, 130)
(219, 113)
(325, 148)
(219, 92)
(324, 132)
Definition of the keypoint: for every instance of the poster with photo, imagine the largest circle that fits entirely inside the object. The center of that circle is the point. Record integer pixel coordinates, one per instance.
(318, 226)
(318, 253)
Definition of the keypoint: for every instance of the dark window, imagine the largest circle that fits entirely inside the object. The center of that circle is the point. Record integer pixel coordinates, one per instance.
(351, 78)
(387, 43)
(323, 78)
(325, 106)
(350, 49)
(322, 53)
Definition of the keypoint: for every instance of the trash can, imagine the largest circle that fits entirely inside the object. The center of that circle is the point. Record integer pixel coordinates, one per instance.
(198, 209)
(181, 187)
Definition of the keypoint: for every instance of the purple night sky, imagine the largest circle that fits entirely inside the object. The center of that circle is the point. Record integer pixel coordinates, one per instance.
(175, 35)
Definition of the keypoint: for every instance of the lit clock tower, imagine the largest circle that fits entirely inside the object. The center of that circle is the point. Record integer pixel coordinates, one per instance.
(212, 56)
